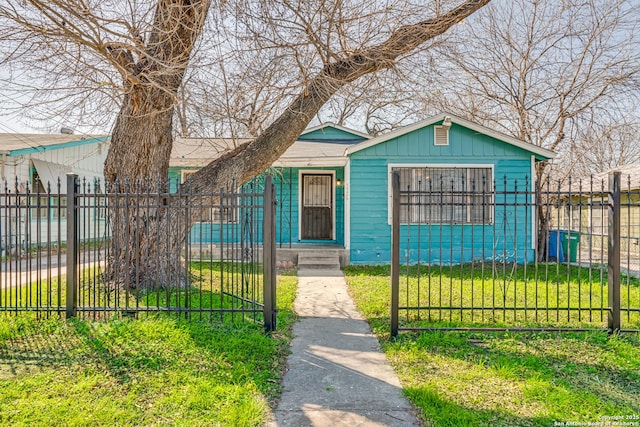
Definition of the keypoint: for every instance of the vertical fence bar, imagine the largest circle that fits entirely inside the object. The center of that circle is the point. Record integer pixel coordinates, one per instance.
(72, 249)
(281, 206)
(272, 262)
(395, 252)
(269, 256)
(613, 281)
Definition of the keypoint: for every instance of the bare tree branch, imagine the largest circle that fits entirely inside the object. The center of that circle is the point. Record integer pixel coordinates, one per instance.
(252, 158)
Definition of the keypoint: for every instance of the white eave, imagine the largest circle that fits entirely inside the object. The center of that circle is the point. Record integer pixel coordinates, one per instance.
(322, 162)
(542, 152)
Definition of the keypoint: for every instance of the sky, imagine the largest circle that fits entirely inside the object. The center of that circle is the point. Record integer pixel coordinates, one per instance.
(12, 121)
(13, 125)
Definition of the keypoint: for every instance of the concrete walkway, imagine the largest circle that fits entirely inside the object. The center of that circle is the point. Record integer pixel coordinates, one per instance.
(337, 376)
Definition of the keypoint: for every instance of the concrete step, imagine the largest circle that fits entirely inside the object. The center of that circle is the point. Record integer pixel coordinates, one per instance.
(318, 258)
(318, 261)
(318, 266)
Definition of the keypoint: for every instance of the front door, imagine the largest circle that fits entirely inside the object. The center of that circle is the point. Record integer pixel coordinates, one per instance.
(317, 207)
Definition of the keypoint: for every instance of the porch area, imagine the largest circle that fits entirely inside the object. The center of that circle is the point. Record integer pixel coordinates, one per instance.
(291, 253)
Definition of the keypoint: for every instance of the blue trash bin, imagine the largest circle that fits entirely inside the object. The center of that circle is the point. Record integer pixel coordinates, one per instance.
(555, 252)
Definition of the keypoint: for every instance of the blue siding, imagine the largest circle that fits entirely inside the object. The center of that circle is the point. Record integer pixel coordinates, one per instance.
(286, 181)
(246, 228)
(330, 134)
(508, 238)
(287, 193)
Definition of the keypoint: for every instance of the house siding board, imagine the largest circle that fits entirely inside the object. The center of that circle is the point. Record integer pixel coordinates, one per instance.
(288, 197)
(175, 177)
(507, 238)
(204, 233)
(329, 133)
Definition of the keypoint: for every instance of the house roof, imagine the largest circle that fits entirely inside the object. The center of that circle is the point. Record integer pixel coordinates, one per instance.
(334, 151)
(318, 152)
(313, 153)
(539, 152)
(16, 144)
(198, 152)
(630, 179)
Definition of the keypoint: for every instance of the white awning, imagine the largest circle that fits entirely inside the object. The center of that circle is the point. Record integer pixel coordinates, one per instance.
(49, 174)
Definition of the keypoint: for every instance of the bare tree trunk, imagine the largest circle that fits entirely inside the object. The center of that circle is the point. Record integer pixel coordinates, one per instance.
(543, 231)
(542, 213)
(148, 229)
(145, 248)
(146, 119)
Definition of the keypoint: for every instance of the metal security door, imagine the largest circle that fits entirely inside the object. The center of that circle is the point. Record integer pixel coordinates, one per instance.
(317, 207)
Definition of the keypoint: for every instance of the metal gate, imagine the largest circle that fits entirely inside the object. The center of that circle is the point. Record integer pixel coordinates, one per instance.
(57, 246)
(511, 258)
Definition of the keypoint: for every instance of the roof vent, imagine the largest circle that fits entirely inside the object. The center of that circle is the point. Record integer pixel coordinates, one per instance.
(66, 131)
(441, 135)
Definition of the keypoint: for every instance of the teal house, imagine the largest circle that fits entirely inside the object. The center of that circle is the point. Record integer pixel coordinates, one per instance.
(467, 187)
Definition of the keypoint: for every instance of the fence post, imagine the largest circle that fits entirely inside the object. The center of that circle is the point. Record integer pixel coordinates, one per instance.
(613, 244)
(72, 243)
(269, 254)
(395, 252)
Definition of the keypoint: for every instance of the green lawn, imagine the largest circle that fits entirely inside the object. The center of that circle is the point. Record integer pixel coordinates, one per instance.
(156, 370)
(503, 379)
(212, 285)
(500, 295)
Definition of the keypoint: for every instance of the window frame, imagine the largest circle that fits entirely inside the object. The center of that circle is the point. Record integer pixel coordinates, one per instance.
(490, 192)
(186, 173)
(213, 213)
(227, 213)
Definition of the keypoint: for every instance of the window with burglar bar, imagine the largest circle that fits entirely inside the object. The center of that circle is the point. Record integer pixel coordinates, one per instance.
(211, 211)
(445, 195)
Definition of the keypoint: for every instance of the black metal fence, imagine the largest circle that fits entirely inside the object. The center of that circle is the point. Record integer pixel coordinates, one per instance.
(60, 255)
(498, 255)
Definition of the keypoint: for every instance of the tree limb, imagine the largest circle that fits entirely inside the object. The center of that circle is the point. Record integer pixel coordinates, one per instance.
(250, 159)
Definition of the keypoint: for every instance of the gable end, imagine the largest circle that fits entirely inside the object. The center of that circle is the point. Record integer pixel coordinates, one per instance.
(444, 120)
